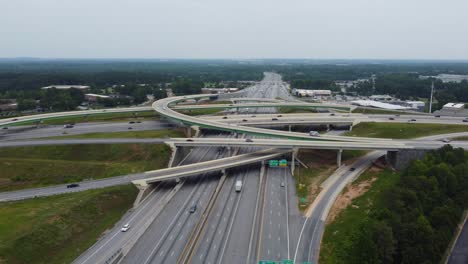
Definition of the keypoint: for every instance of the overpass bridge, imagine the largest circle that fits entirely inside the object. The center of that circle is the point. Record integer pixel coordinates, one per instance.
(209, 166)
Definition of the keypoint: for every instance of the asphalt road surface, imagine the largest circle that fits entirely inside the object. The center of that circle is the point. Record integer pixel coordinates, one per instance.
(459, 254)
(26, 132)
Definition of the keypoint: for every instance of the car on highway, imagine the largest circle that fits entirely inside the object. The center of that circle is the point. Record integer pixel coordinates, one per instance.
(190, 140)
(465, 120)
(193, 209)
(352, 169)
(446, 140)
(282, 184)
(125, 228)
(130, 127)
(68, 126)
(314, 134)
(332, 114)
(249, 140)
(4, 127)
(224, 117)
(391, 118)
(138, 122)
(244, 120)
(73, 185)
(131, 122)
(14, 119)
(437, 116)
(274, 119)
(279, 115)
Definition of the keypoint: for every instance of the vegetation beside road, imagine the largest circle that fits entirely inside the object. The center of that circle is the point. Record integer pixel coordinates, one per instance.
(27, 167)
(403, 130)
(164, 133)
(406, 217)
(57, 229)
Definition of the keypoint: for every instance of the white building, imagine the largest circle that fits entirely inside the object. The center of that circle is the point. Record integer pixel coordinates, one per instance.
(311, 93)
(65, 87)
(95, 97)
(453, 107)
(418, 105)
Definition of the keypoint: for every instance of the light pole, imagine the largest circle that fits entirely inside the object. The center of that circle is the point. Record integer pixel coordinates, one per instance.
(432, 93)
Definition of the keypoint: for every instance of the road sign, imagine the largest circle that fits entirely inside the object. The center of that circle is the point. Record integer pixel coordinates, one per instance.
(273, 163)
(283, 163)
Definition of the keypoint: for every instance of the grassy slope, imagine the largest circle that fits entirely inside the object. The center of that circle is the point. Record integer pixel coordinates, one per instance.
(164, 133)
(100, 117)
(57, 229)
(403, 130)
(24, 167)
(337, 234)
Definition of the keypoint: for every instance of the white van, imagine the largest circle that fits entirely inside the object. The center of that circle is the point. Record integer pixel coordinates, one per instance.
(238, 185)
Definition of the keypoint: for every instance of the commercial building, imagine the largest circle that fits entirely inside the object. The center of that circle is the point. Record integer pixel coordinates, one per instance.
(453, 109)
(95, 97)
(311, 93)
(65, 87)
(218, 90)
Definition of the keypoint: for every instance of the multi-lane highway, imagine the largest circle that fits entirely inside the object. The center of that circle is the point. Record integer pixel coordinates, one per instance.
(202, 218)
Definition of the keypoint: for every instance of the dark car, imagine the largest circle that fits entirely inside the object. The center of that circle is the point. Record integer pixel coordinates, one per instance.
(73, 185)
(274, 119)
(465, 120)
(14, 119)
(413, 120)
(352, 169)
(224, 117)
(244, 120)
(130, 127)
(248, 140)
(193, 209)
(138, 122)
(437, 116)
(332, 114)
(391, 118)
(280, 115)
(131, 122)
(190, 140)
(4, 127)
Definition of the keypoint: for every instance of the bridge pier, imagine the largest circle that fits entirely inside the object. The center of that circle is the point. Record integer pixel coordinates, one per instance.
(188, 132)
(293, 160)
(338, 157)
(402, 158)
(289, 128)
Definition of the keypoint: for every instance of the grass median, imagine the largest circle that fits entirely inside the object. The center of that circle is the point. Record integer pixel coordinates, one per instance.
(164, 133)
(27, 167)
(59, 228)
(403, 130)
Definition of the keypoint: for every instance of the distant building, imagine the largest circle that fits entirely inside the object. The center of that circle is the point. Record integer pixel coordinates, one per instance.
(65, 87)
(447, 77)
(95, 97)
(8, 104)
(417, 105)
(453, 109)
(218, 90)
(381, 98)
(311, 93)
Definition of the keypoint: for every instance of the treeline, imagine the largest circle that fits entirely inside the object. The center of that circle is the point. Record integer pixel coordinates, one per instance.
(418, 217)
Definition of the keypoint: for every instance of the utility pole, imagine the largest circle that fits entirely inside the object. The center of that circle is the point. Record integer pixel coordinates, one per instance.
(432, 93)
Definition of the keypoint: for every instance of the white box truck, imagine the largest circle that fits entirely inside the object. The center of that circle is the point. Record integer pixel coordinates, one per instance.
(238, 185)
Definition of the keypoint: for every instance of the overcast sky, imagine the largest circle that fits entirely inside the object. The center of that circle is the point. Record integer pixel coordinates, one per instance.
(380, 29)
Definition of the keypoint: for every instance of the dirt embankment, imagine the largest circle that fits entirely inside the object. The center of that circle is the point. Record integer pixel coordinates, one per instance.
(352, 191)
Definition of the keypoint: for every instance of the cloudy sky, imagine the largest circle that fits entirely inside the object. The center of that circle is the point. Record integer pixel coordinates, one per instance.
(380, 29)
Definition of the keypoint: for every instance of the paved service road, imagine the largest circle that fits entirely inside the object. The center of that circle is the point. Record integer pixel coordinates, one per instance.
(459, 254)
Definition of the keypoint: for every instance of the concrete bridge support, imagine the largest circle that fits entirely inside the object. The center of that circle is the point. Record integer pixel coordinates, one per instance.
(401, 159)
(338, 157)
(293, 160)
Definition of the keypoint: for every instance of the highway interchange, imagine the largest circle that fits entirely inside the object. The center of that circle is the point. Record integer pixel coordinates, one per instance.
(262, 221)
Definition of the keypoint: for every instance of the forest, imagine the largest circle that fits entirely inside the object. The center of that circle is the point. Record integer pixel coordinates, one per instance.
(414, 221)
